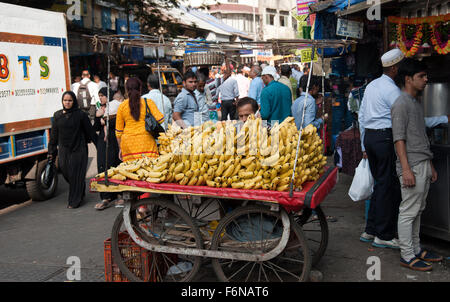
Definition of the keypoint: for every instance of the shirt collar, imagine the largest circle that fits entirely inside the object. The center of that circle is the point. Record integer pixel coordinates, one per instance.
(309, 95)
(270, 83)
(185, 91)
(388, 78)
(410, 97)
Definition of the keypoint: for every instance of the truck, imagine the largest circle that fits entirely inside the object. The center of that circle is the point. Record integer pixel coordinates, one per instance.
(34, 73)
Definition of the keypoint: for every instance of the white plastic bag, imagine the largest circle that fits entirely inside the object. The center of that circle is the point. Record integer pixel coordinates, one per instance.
(362, 184)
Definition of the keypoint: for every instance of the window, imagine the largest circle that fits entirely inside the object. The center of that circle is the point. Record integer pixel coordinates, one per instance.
(270, 16)
(284, 15)
(169, 77)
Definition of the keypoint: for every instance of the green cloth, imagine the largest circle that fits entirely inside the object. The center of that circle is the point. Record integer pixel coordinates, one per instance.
(276, 102)
(294, 87)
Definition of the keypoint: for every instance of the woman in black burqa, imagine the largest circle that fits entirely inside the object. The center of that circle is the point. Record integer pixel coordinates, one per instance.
(70, 134)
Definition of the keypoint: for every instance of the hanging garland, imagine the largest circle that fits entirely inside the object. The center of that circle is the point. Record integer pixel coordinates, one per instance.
(441, 47)
(426, 29)
(401, 38)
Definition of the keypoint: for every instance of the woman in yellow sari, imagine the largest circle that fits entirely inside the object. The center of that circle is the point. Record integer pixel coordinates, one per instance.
(131, 135)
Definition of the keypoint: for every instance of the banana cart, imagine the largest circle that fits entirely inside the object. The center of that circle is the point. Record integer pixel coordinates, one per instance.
(249, 235)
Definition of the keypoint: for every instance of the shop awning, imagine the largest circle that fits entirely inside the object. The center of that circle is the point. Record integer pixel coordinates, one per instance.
(344, 7)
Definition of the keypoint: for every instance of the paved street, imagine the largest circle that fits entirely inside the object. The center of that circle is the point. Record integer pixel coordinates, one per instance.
(38, 237)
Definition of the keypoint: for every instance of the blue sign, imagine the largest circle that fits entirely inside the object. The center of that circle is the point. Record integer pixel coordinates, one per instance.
(121, 27)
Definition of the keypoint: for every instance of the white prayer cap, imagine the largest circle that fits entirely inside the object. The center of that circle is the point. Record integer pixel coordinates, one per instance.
(392, 57)
(271, 71)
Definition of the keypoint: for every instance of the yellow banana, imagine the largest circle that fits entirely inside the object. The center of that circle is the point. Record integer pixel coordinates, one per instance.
(193, 181)
(267, 174)
(284, 181)
(283, 188)
(119, 177)
(220, 169)
(189, 174)
(245, 174)
(237, 168)
(212, 162)
(247, 161)
(179, 168)
(235, 178)
(273, 173)
(211, 183)
(266, 186)
(288, 173)
(184, 181)
(251, 167)
(187, 166)
(153, 180)
(249, 185)
(237, 185)
(129, 174)
(228, 171)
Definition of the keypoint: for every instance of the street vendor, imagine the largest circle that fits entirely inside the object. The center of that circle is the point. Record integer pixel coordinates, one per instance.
(187, 109)
(246, 107)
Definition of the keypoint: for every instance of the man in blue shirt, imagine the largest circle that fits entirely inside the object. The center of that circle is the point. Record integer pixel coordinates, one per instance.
(276, 98)
(229, 94)
(256, 85)
(311, 109)
(187, 110)
(161, 101)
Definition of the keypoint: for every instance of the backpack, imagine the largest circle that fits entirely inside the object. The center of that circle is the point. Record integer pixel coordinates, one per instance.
(84, 97)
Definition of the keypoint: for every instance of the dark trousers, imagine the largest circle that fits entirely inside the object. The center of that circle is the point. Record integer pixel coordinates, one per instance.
(385, 201)
(228, 107)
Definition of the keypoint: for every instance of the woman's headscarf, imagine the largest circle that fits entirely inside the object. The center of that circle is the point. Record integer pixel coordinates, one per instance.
(75, 102)
(113, 104)
(104, 91)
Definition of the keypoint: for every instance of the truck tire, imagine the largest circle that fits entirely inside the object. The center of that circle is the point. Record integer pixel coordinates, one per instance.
(36, 189)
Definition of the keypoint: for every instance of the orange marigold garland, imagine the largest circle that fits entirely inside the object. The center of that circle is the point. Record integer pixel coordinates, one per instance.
(440, 47)
(417, 40)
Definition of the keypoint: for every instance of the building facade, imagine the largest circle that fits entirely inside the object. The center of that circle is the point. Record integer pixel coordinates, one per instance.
(261, 19)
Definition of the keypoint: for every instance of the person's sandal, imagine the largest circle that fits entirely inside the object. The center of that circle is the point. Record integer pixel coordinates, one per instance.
(429, 256)
(106, 203)
(120, 203)
(416, 264)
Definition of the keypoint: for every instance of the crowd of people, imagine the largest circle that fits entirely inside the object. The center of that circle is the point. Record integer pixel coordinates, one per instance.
(391, 122)
(207, 94)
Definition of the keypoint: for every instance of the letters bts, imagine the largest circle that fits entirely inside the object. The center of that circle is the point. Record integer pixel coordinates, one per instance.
(26, 63)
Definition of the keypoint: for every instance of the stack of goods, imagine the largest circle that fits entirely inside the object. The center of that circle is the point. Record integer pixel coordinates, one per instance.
(218, 155)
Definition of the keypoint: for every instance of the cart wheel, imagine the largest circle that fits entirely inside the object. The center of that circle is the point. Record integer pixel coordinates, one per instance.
(200, 211)
(315, 228)
(256, 229)
(158, 222)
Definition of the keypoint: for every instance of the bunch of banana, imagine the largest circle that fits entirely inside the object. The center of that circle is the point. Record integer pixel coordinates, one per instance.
(154, 170)
(218, 155)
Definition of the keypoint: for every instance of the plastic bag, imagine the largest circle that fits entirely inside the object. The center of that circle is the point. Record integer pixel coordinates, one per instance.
(362, 184)
(49, 173)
